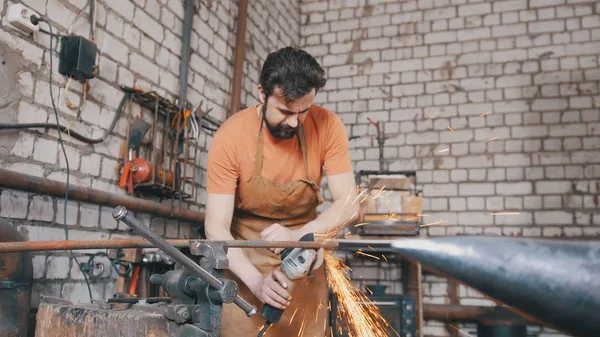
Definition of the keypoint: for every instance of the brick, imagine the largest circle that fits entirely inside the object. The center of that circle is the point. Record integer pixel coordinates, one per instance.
(509, 6)
(508, 160)
(78, 292)
(123, 8)
(548, 104)
(58, 267)
(522, 219)
(475, 218)
(474, 9)
(513, 81)
(553, 187)
(149, 25)
(41, 208)
(440, 190)
(440, 37)
(529, 131)
(39, 265)
(568, 130)
(72, 212)
(473, 189)
(14, 204)
(144, 67)
(23, 146)
(553, 218)
(519, 188)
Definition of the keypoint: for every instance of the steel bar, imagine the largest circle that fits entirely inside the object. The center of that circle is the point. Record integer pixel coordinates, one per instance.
(185, 51)
(238, 63)
(555, 281)
(120, 213)
(38, 246)
(461, 313)
(28, 183)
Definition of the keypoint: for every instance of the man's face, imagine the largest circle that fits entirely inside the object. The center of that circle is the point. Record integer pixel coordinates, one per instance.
(283, 119)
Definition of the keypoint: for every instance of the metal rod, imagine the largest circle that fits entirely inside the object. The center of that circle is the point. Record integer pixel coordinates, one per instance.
(28, 183)
(120, 213)
(186, 35)
(136, 300)
(38, 246)
(238, 63)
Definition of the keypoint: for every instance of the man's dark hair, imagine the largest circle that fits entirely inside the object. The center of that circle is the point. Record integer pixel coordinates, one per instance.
(293, 70)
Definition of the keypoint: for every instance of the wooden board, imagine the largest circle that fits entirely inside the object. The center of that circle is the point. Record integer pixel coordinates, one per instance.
(59, 320)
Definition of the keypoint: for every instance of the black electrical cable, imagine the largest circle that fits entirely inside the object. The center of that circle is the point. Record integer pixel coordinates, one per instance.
(264, 328)
(70, 132)
(62, 145)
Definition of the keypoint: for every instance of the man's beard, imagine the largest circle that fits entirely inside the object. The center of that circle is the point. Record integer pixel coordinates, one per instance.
(280, 131)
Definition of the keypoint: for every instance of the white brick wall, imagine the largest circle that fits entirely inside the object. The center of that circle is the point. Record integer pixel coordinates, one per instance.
(525, 63)
(139, 43)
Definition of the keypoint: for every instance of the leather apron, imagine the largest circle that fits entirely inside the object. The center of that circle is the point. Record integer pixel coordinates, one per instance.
(292, 205)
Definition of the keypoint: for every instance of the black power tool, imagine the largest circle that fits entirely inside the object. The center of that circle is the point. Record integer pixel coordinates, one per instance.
(296, 263)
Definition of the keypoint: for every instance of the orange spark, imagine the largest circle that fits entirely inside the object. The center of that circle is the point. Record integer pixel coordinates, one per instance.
(423, 214)
(361, 224)
(359, 252)
(435, 114)
(360, 319)
(459, 330)
(444, 150)
(489, 140)
(294, 314)
(434, 223)
(385, 258)
(379, 191)
(369, 290)
(371, 247)
(303, 325)
(505, 213)
(485, 113)
(450, 128)
(358, 196)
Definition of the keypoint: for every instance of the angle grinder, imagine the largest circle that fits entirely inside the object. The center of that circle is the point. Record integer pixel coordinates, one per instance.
(296, 263)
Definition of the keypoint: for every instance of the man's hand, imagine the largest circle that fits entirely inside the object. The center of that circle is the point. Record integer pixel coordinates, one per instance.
(277, 232)
(272, 290)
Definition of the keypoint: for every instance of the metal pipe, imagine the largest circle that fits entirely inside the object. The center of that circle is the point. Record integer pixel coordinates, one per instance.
(16, 276)
(120, 213)
(238, 63)
(186, 35)
(24, 182)
(39, 246)
(555, 281)
(463, 313)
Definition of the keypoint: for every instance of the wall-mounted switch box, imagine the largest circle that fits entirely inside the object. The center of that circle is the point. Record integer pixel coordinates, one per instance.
(77, 58)
(19, 16)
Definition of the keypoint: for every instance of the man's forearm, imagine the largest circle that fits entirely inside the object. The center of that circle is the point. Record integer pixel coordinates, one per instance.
(239, 263)
(339, 214)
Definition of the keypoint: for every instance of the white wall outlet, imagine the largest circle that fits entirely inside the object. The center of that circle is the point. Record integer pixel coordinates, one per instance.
(19, 16)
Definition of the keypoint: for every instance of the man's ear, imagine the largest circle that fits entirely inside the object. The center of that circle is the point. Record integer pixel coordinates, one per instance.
(261, 93)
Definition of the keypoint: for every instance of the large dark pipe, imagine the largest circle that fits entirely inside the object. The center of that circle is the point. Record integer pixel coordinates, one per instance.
(185, 51)
(23, 182)
(555, 281)
(16, 275)
(238, 63)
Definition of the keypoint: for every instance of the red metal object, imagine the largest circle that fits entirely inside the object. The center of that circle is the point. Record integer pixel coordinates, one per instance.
(135, 275)
(16, 276)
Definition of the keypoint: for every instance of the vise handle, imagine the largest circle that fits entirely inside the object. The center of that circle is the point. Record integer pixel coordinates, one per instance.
(120, 213)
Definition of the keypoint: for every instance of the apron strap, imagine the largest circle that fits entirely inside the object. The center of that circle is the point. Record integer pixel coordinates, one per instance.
(260, 148)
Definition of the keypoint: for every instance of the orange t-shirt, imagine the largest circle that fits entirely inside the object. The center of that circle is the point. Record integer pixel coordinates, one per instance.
(232, 154)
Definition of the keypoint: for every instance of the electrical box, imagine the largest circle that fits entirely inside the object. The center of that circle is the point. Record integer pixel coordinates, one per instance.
(20, 16)
(77, 58)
